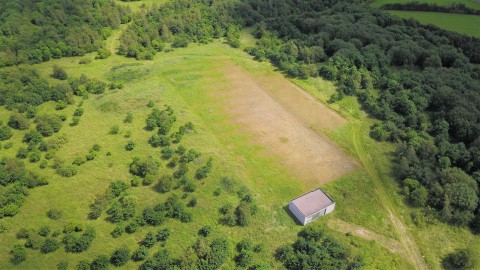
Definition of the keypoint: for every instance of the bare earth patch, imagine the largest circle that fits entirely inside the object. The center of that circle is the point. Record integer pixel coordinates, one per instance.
(286, 120)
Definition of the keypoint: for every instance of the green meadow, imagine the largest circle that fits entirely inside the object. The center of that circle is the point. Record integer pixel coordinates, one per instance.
(469, 3)
(464, 24)
(182, 79)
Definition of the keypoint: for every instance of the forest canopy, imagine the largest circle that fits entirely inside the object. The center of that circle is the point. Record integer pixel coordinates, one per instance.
(36, 31)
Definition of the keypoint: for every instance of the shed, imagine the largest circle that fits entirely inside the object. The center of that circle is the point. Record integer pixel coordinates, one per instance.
(311, 206)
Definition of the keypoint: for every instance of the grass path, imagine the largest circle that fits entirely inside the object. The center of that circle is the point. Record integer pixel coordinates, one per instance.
(400, 240)
(411, 249)
(113, 42)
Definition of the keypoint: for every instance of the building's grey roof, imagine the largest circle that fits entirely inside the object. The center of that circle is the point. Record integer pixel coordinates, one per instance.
(312, 202)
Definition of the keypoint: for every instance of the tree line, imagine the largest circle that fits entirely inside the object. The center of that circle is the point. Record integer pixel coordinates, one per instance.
(178, 22)
(36, 31)
(458, 8)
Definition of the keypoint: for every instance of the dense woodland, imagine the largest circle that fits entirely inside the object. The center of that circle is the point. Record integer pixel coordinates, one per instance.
(179, 23)
(36, 31)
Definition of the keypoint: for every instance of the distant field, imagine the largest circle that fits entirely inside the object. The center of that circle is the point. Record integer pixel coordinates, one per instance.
(137, 5)
(468, 3)
(464, 24)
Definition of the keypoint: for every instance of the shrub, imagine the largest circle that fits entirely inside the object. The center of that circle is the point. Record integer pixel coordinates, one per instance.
(245, 245)
(120, 256)
(244, 258)
(35, 156)
(59, 73)
(122, 210)
(101, 262)
(78, 112)
(8, 145)
(60, 105)
(228, 184)
(189, 186)
(23, 234)
(135, 181)
(115, 129)
(148, 180)
(204, 170)
(128, 118)
(43, 164)
(167, 152)
(5, 133)
(153, 216)
(159, 140)
(85, 61)
(18, 121)
(63, 265)
(66, 170)
(31, 112)
(160, 260)
(118, 231)
(131, 227)
(163, 234)
(91, 155)
(50, 245)
(192, 202)
(79, 160)
(150, 104)
(144, 167)
(103, 53)
(130, 146)
(328, 252)
(180, 42)
(18, 253)
(117, 187)
(140, 254)
(79, 243)
(32, 136)
(44, 231)
(83, 265)
(165, 184)
(150, 240)
(205, 231)
(459, 259)
(34, 242)
(48, 124)
(22, 153)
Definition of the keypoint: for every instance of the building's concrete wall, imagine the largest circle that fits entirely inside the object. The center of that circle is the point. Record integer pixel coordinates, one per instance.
(322, 212)
(330, 209)
(300, 217)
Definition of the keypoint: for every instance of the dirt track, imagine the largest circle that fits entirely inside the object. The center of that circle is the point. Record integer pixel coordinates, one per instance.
(281, 116)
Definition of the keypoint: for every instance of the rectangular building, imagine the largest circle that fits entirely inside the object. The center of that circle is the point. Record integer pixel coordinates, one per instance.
(311, 206)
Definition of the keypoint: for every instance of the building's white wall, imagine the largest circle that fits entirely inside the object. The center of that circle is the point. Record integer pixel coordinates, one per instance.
(330, 209)
(296, 213)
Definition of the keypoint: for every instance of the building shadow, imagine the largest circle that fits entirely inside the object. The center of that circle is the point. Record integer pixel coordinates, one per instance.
(291, 215)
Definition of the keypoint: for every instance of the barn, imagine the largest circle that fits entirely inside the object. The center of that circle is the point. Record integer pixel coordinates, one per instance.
(311, 206)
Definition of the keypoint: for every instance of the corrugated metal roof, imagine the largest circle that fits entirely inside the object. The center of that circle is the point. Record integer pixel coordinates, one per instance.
(312, 202)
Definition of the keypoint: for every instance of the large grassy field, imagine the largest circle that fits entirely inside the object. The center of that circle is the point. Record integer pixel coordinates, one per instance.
(464, 24)
(182, 79)
(469, 3)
